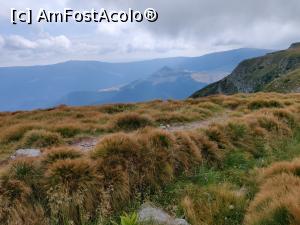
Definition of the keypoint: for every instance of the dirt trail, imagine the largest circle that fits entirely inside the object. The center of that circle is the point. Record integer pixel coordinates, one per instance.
(197, 124)
(88, 144)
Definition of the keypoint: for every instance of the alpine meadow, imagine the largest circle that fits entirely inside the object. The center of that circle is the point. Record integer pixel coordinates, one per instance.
(152, 112)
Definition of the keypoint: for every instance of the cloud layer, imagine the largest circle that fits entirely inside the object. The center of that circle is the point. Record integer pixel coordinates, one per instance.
(186, 28)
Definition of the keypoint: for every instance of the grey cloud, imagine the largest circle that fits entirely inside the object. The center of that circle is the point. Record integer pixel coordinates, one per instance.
(49, 43)
(2, 42)
(189, 28)
(18, 43)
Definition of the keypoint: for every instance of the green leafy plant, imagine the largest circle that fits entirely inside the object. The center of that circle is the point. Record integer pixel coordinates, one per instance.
(128, 219)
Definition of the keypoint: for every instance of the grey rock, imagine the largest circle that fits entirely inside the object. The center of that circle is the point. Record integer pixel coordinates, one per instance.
(151, 213)
(27, 153)
(180, 222)
(163, 127)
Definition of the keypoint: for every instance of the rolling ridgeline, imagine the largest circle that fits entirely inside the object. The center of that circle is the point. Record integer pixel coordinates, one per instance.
(93, 82)
(277, 72)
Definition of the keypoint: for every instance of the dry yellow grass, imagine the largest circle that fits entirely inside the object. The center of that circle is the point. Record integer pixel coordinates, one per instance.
(213, 205)
(278, 202)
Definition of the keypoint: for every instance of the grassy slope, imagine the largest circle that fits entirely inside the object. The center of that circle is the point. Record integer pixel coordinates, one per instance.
(256, 74)
(285, 84)
(209, 176)
(74, 123)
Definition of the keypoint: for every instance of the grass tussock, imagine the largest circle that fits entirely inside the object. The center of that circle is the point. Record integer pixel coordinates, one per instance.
(187, 154)
(41, 139)
(213, 205)
(68, 130)
(260, 103)
(117, 108)
(277, 202)
(61, 153)
(73, 190)
(15, 132)
(131, 121)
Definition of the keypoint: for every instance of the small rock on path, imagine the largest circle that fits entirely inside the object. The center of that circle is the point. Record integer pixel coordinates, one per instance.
(86, 144)
(149, 213)
(26, 153)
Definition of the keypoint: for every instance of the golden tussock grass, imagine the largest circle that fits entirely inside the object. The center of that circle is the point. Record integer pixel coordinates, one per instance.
(16, 132)
(213, 205)
(60, 153)
(187, 155)
(292, 167)
(130, 121)
(26, 215)
(277, 202)
(41, 139)
(73, 190)
(67, 185)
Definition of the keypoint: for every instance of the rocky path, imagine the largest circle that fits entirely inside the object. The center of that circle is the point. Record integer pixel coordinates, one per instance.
(197, 124)
(88, 144)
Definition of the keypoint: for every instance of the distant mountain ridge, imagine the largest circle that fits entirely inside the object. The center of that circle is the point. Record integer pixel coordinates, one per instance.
(166, 83)
(274, 72)
(25, 88)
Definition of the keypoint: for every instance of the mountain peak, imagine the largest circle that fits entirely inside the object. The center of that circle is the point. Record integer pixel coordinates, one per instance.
(165, 69)
(295, 45)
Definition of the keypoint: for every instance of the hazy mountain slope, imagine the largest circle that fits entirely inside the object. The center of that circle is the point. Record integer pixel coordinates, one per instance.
(39, 86)
(288, 83)
(164, 84)
(276, 71)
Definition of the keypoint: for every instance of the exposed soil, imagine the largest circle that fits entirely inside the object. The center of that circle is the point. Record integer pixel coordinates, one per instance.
(88, 144)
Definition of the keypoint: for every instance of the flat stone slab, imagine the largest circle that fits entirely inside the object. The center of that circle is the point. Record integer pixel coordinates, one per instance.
(27, 153)
(149, 213)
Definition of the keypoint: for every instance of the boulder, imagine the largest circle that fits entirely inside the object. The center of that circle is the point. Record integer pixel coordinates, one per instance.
(27, 153)
(159, 216)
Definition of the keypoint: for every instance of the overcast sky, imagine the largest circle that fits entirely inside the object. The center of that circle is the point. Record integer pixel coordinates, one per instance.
(184, 28)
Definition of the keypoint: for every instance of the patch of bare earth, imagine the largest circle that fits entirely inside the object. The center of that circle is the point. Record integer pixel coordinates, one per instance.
(87, 144)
